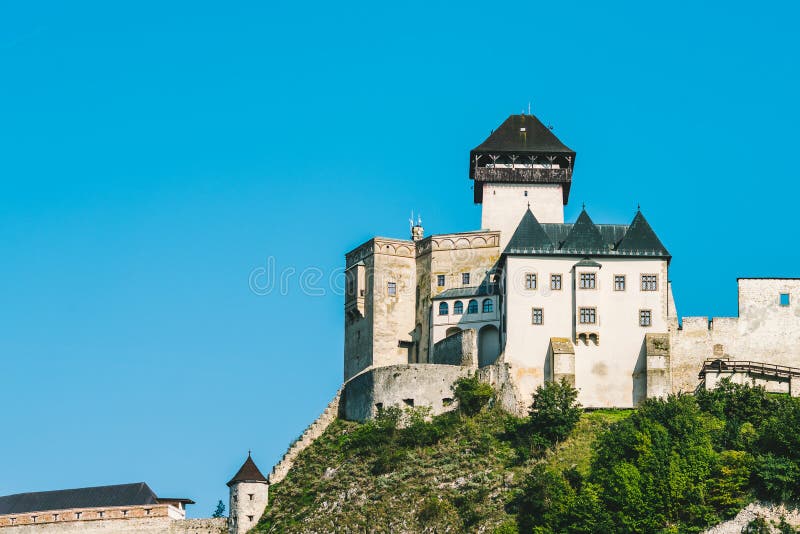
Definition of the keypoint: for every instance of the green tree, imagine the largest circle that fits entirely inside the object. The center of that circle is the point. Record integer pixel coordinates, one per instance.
(220, 511)
(472, 394)
(555, 410)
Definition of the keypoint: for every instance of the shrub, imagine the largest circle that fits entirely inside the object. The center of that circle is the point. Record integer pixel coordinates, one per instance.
(472, 394)
(555, 410)
(388, 460)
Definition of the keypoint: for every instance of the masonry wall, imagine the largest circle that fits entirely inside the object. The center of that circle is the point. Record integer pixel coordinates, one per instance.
(401, 385)
(504, 205)
(609, 373)
(458, 349)
(248, 500)
(160, 525)
(450, 255)
(764, 332)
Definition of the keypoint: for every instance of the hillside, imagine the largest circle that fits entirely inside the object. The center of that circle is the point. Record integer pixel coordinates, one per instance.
(674, 466)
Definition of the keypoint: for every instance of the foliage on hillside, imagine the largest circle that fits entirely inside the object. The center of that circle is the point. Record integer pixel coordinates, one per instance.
(677, 465)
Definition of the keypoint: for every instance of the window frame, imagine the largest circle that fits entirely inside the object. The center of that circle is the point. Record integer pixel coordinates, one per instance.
(649, 316)
(391, 289)
(470, 310)
(590, 276)
(553, 277)
(458, 308)
(490, 303)
(440, 280)
(465, 279)
(444, 307)
(541, 316)
(624, 282)
(788, 300)
(531, 281)
(589, 310)
(654, 281)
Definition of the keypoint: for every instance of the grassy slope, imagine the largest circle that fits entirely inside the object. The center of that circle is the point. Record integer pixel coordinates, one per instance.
(461, 483)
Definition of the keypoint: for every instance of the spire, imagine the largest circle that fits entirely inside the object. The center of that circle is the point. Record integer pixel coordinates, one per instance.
(584, 235)
(529, 235)
(641, 237)
(249, 472)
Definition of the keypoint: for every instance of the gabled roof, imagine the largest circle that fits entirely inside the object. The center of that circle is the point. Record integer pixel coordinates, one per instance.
(523, 134)
(584, 235)
(587, 262)
(249, 472)
(96, 497)
(529, 233)
(640, 236)
(585, 239)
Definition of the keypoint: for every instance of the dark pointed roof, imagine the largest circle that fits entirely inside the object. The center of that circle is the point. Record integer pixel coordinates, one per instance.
(523, 134)
(134, 494)
(640, 236)
(529, 235)
(586, 239)
(584, 235)
(249, 472)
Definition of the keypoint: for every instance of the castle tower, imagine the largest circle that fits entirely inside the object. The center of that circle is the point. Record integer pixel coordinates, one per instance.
(249, 494)
(520, 165)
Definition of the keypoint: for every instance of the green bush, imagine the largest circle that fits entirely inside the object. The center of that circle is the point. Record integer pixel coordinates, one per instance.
(555, 410)
(472, 395)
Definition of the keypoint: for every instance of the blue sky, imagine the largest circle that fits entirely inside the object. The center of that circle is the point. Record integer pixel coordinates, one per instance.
(153, 155)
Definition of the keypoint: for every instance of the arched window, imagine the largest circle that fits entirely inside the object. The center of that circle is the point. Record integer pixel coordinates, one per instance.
(488, 306)
(443, 309)
(472, 307)
(458, 308)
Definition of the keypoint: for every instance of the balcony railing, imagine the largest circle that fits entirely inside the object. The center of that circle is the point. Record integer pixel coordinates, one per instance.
(742, 366)
(523, 175)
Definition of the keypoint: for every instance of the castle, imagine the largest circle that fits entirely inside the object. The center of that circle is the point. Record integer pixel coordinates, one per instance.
(529, 298)
(526, 299)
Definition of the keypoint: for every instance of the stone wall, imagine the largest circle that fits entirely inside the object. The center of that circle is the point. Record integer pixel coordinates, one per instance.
(153, 525)
(403, 386)
(310, 434)
(765, 331)
(458, 349)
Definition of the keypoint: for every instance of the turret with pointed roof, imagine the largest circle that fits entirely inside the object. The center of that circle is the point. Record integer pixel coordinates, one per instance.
(249, 495)
(522, 150)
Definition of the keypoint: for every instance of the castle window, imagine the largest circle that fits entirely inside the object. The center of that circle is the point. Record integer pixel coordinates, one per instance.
(379, 406)
(409, 402)
(458, 308)
(588, 315)
(124, 513)
(250, 518)
(619, 282)
(555, 282)
(55, 517)
(440, 280)
(250, 495)
(472, 307)
(526, 193)
(443, 308)
(530, 281)
(645, 317)
(488, 306)
(391, 287)
(465, 279)
(588, 281)
(649, 282)
(784, 299)
(101, 514)
(538, 316)
(78, 515)
(33, 518)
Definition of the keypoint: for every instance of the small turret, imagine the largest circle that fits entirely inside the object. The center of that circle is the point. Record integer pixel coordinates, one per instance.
(249, 495)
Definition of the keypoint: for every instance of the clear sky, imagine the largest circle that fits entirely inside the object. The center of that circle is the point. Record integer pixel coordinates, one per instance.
(153, 155)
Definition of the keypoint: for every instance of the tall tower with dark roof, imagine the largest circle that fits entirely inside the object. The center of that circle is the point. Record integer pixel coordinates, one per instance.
(522, 165)
(249, 495)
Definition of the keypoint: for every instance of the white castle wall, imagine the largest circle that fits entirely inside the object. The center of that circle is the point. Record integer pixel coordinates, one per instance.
(611, 373)
(505, 204)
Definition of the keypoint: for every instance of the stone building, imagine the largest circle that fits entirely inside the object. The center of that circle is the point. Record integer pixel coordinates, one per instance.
(529, 298)
(121, 508)
(249, 493)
